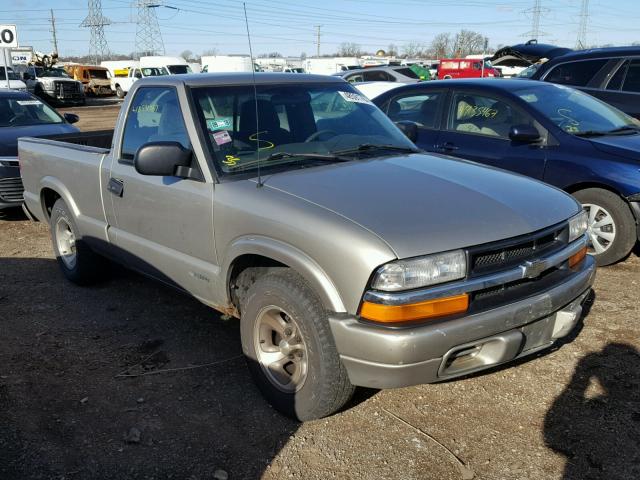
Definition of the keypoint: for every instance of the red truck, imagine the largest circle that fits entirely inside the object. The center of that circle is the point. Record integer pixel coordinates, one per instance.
(465, 68)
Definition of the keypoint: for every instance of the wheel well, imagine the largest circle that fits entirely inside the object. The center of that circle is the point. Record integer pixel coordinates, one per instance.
(582, 186)
(243, 273)
(48, 198)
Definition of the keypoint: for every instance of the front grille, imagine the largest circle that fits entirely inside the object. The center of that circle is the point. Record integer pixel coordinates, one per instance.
(67, 89)
(496, 257)
(11, 189)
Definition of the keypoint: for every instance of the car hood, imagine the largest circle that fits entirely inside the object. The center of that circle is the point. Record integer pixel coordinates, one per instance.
(9, 135)
(627, 146)
(420, 204)
(525, 54)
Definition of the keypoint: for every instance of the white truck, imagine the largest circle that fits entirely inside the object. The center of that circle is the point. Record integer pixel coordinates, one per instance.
(330, 65)
(226, 63)
(152, 66)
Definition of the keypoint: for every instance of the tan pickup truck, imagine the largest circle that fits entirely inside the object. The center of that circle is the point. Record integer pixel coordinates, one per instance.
(96, 80)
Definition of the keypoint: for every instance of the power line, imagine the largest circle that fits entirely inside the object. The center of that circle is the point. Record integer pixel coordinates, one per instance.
(148, 35)
(581, 42)
(98, 47)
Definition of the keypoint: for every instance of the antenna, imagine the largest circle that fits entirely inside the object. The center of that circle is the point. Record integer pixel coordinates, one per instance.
(255, 93)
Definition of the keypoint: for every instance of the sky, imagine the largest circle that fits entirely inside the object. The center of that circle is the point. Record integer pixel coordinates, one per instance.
(290, 27)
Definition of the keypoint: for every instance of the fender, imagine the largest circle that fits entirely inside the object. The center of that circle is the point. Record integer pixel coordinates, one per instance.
(57, 186)
(293, 258)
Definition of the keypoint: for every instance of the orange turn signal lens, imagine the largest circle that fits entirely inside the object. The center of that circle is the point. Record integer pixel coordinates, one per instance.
(576, 258)
(439, 307)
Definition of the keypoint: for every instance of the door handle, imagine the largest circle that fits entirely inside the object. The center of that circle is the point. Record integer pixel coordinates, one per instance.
(116, 187)
(449, 147)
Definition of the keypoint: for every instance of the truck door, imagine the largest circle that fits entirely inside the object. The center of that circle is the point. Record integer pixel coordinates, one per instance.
(163, 224)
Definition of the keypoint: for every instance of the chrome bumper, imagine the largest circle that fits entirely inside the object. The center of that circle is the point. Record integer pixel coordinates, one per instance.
(380, 357)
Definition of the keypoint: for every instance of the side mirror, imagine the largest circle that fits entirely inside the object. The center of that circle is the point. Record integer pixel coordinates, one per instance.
(167, 159)
(524, 133)
(26, 76)
(410, 129)
(71, 117)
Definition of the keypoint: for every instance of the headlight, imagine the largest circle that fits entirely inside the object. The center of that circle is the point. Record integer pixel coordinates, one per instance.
(421, 271)
(578, 225)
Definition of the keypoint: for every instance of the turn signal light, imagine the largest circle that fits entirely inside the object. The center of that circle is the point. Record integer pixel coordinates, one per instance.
(576, 258)
(415, 311)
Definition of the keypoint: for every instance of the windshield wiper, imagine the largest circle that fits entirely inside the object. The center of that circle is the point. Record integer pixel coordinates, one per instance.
(365, 147)
(616, 131)
(314, 156)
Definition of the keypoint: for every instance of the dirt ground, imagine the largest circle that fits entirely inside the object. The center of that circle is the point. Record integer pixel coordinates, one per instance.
(65, 413)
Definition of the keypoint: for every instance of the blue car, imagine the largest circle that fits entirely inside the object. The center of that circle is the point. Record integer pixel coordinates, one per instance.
(550, 132)
(23, 115)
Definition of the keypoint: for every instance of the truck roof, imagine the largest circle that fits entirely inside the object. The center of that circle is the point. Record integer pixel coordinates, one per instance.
(236, 78)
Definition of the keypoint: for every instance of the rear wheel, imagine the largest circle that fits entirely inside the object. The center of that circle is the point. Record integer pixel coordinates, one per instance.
(77, 261)
(612, 228)
(290, 349)
(119, 91)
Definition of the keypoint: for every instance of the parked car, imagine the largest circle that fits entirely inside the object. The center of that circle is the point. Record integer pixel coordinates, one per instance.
(350, 257)
(610, 74)
(96, 80)
(381, 74)
(23, 115)
(53, 85)
(449, 68)
(524, 59)
(14, 80)
(373, 89)
(549, 132)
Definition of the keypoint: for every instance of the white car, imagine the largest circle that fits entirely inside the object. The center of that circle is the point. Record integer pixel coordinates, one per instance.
(372, 89)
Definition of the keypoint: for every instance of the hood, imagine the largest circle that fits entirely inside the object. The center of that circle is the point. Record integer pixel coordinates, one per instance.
(15, 84)
(525, 54)
(420, 204)
(9, 135)
(627, 146)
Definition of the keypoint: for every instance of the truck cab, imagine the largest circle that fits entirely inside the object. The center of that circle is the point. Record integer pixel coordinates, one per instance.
(54, 85)
(465, 68)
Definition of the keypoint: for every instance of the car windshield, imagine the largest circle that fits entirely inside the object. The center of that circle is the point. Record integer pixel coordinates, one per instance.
(12, 75)
(529, 71)
(297, 124)
(52, 72)
(23, 111)
(179, 69)
(153, 71)
(575, 112)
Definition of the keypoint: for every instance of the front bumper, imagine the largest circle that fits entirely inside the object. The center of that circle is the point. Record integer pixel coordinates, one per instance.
(11, 188)
(380, 357)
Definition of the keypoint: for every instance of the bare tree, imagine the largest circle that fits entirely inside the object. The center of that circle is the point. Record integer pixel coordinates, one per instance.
(467, 42)
(349, 49)
(392, 50)
(413, 49)
(441, 45)
(212, 52)
(187, 55)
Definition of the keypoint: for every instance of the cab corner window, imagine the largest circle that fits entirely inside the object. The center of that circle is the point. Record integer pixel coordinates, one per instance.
(420, 108)
(154, 115)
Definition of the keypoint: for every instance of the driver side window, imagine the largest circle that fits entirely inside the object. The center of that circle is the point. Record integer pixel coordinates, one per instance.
(154, 115)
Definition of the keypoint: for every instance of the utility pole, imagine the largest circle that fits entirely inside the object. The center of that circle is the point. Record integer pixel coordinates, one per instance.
(148, 35)
(95, 21)
(581, 42)
(318, 41)
(53, 31)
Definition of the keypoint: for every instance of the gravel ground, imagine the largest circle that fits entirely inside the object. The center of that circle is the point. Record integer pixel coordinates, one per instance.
(571, 413)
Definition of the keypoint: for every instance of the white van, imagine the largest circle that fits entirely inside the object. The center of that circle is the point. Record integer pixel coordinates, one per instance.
(226, 63)
(170, 65)
(330, 65)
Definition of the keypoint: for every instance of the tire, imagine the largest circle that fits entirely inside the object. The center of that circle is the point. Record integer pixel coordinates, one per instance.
(318, 382)
(77, 261)
(119, 91)
(619, 225)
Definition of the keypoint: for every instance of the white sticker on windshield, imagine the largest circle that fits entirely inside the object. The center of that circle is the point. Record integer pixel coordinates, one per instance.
(222, 137)
(354, 97)
(29, 102)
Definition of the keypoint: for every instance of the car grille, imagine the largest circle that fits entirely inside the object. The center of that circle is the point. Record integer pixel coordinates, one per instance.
(67, 89)
(500, 256)
(11, 189)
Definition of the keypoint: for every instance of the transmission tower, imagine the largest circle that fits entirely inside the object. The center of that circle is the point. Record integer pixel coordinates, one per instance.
(581, 42)
(148, 35)
(536, 13)
(98, 48)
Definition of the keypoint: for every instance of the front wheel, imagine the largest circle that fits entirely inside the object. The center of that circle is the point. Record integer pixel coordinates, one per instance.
(290, 349)
(119, 91)
(77, 261)
(612, 227)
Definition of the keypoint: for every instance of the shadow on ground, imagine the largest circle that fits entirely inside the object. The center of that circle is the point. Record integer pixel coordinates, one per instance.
(63, 412)
(595, 422)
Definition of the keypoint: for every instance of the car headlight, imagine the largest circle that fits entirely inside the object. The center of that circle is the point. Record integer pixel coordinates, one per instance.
(578, 225)
(421, 271)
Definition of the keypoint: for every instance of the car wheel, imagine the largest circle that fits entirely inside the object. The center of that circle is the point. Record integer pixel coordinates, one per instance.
(119, 91)
(612, 227)
(290, 349)
(77, 261)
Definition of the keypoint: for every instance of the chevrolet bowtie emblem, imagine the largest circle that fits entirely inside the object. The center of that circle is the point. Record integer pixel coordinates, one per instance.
(533, 269)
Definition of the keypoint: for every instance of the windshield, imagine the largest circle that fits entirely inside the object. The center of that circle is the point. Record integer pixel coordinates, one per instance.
(320, 119)
(529, 71)
(573, 111)
(12, 75)
(179, 69)
(22, 111)
(153, 71)
(51, 72)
